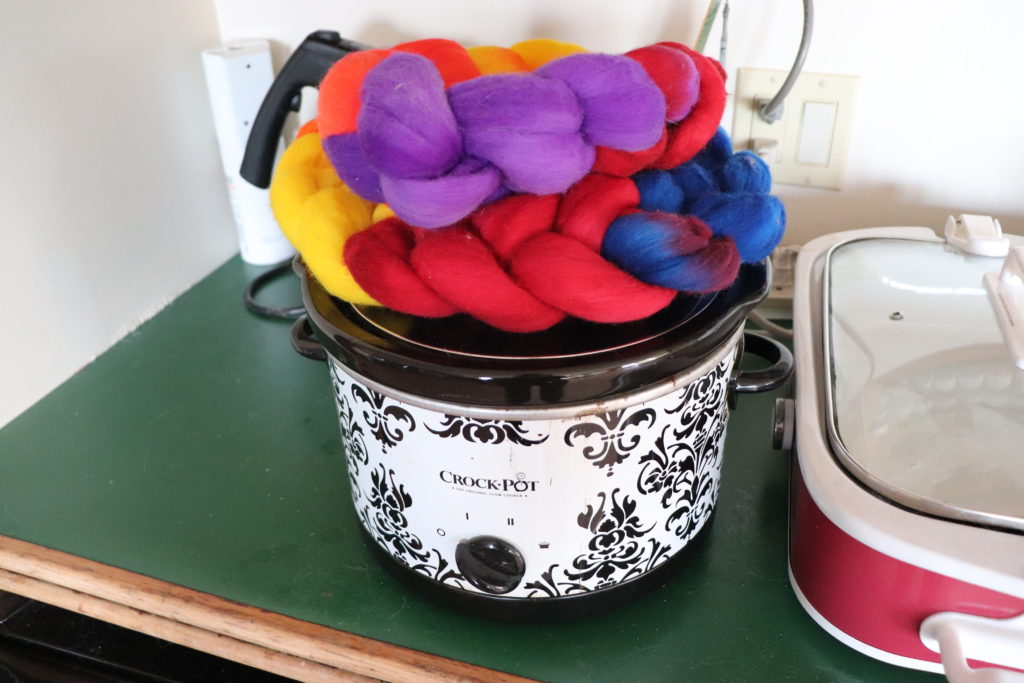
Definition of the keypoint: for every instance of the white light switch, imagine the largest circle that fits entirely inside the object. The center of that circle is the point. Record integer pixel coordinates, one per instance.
(816, 133)
(812, 138)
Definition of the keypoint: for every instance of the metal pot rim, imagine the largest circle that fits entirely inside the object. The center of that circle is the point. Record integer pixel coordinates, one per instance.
(516, 382)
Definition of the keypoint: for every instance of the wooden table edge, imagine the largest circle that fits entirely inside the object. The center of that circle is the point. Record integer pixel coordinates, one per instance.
(243, 633)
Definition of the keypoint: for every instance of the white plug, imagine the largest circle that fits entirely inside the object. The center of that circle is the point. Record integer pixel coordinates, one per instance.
(766, 148)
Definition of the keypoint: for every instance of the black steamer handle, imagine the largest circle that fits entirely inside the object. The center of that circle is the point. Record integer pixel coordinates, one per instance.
(306, 67)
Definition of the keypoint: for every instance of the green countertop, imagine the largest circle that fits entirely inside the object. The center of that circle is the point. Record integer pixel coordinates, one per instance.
(201, 450)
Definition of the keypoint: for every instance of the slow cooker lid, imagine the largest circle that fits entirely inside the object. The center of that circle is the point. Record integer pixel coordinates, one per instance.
(461, 360)
(925, 404)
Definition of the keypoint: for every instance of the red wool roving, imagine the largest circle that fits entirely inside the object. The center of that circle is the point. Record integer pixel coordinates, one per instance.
(674, 73)
(691, 134)
(509, 222)
(450, 58)
(621, 163)
(590, 206)
(379, 261)
(571, 277)
(461, 268)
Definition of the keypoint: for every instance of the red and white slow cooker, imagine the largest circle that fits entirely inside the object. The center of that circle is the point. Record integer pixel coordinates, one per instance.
(907, 489)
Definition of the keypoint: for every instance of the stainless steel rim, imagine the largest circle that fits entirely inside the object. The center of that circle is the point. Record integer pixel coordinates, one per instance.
(560, 411)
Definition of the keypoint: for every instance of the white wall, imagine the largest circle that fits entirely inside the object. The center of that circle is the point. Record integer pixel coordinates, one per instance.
(113, 199)
(937, 127)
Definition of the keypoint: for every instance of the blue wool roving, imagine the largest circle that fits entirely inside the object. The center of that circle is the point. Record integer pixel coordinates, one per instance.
(666, 250)
(745, 172)
(658, 191)
(755, 222)
(698, 221)
(640, 242)
(740, 172)
(716, 153)
(694, 181)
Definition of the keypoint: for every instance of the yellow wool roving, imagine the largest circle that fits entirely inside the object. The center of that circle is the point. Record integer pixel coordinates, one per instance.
(318, 213)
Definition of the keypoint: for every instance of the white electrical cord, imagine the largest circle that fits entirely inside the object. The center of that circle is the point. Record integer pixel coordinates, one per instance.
(724, 41)
(705, 27)
(777, 331)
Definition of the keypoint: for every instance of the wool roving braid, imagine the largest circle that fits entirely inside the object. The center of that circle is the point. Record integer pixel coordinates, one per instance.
(418, 126)
(628, 221)
(521, 264)
(609, 250)
(546, 276)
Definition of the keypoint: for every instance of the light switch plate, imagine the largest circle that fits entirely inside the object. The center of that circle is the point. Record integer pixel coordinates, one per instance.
(810, 144)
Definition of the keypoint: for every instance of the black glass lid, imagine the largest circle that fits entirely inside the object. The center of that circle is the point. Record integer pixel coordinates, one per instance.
(465, 336)
(462, 360)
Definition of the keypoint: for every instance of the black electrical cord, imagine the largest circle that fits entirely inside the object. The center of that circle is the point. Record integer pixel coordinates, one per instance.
(258, 283)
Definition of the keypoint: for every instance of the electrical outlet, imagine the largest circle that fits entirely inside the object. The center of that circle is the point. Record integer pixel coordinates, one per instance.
(778, 305)
(784, 270)
(809, 145)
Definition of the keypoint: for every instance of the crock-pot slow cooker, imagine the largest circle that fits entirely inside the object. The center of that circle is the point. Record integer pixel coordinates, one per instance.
(907, 500)
(537, 475)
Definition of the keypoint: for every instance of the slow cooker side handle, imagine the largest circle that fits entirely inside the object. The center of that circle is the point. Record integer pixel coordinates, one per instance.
(304, 343)
(959, 637)
(767, 379)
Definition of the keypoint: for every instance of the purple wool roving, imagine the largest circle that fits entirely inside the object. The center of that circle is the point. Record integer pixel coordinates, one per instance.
(446, 199)
(622, 107)
(353, 167)
(436, 155)
(527, 126)
(406, 127)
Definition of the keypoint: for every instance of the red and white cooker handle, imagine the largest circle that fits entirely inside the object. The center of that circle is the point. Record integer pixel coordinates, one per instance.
(959, 637)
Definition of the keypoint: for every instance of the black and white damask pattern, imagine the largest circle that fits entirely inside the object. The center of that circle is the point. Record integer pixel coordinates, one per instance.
(617, 550)
(685, 479)
(610, 438)
(384, 517)
(702, 402)
(663, 457)
(387, 421)
(683, 467)
(351, 431)
(475, 430)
